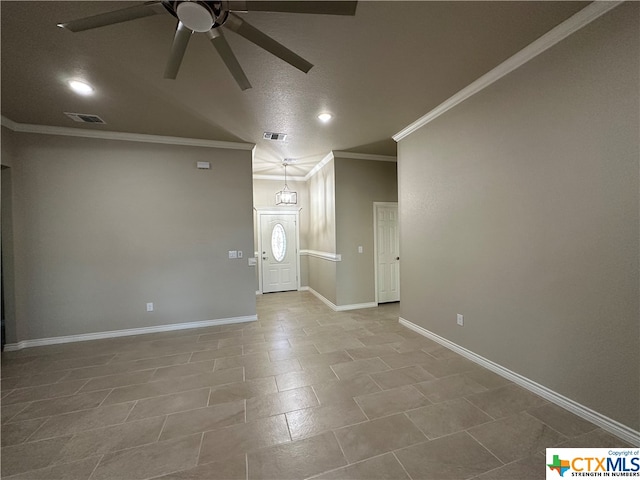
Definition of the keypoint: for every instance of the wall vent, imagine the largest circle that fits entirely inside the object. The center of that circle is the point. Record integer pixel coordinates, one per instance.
(84, 118)
(278, 137)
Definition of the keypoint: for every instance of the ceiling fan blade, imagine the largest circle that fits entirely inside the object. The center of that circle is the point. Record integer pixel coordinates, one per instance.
(180, 42)
(311, 6)
(118, 16)
(254, 35)
(230, 60)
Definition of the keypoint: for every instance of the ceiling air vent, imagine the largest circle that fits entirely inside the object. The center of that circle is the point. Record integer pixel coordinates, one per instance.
(84, 118)
(278, 137)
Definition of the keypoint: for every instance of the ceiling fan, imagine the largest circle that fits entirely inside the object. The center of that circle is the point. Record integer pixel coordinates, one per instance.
(208, 17)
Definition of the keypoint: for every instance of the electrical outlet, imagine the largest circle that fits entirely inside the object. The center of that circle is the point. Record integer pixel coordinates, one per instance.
(460, 319)
(239, 253)
(150, 307)
(233, 254)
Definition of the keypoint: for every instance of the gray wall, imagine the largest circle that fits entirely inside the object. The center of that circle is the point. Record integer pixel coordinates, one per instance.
(520, 209)
(7, 147)
(101, 227)
(322, 231)
(6, 209)
(359, 183)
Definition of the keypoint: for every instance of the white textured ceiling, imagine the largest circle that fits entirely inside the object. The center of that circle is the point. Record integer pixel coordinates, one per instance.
(377, 72)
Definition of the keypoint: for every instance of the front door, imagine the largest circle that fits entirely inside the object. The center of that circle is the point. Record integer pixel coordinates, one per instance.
(387, 253)
(279, 252)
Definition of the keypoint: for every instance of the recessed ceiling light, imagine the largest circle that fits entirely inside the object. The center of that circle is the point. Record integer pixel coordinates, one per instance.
(325, 117)
(80, 88)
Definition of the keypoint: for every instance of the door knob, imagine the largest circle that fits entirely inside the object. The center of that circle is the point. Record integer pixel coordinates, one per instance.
(265, 258)
(397, 258)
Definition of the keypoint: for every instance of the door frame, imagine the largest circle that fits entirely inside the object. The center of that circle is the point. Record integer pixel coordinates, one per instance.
(375, 243)
(271, 211)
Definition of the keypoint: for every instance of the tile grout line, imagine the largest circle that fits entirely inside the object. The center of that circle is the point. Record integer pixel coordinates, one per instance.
(87, 430)
(164, 422)
(465, 397)
(401, 464)
(483, 446)
(349, 464)
(130, 410)
(112, 359)
(501, 466)
(360, 407)
(200, 449)
(526, 412)
(103, 400)
(26, 440)
(423, 395)
(335, 437)
(286, 419)
(377, 384)
(96, 467)
(45, 416)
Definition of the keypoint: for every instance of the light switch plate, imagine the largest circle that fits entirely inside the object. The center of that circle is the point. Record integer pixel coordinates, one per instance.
(233, 254)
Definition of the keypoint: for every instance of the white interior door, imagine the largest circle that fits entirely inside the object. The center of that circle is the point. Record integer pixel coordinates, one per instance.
(387, 253)
(279, 252)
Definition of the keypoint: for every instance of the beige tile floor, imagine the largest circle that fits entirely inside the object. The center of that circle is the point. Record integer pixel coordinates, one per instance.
(304, 392)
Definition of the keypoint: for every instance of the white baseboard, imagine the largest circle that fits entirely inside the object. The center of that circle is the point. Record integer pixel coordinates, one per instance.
(341, 308)
(355, 306)
(39, 342)
(625, 433)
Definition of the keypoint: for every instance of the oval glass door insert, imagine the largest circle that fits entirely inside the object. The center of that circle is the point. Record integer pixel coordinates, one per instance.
(278, 242)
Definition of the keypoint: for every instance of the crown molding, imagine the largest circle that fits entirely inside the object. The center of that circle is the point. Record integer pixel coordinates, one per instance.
(364, 156)
(330, 156)
(127, 137)
(548, 40)
(279, 178)
(319, 166)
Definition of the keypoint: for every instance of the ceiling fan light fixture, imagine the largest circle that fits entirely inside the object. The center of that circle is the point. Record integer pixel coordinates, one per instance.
(195, 16)
(81, 88)
(325, 117)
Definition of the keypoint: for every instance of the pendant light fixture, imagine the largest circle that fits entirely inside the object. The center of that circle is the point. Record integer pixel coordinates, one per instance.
(286, 196)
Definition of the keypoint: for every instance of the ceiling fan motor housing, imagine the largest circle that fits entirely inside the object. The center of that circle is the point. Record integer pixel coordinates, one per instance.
(199, 16)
